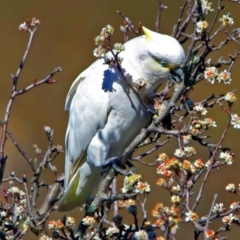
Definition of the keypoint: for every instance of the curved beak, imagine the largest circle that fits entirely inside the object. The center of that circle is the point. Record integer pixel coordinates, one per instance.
(176, 75)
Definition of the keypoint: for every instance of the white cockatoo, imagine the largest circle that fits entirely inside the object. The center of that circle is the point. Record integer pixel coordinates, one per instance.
(105, 114)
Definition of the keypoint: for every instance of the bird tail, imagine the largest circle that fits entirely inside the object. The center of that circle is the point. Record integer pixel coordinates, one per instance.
(80, 188)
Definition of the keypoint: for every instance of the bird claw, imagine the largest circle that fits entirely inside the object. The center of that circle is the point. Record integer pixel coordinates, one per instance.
(122, 169)
(119, 167)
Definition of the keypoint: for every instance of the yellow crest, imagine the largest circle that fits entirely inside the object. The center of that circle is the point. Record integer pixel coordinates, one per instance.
(147, 33)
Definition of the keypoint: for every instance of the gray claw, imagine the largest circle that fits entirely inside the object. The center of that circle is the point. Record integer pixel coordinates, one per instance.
(115, 162)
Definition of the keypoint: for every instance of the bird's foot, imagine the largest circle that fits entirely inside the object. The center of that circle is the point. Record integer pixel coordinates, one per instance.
(122, 168)
(115, 162)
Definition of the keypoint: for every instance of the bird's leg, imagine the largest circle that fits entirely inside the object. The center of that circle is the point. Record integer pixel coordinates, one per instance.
(115, 162)
(131, 166)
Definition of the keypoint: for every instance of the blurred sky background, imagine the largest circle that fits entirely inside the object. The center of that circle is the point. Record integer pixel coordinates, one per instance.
(65, 38)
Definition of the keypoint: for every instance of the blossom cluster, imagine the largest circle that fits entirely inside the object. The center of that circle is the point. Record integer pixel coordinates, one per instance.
(14, 215)
(26, 26)
(211, 74)
(198, 126)
(60, 224)
(65, 225)
(134, 184)
(226, 20)
(200, 109)
(201, 26)
(170, 167)
(206, 6)
(105, 35)
(159, 107)
(167, 217)
(235, 121)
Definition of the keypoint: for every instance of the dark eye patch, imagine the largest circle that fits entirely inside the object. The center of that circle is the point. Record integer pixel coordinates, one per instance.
(163, 63)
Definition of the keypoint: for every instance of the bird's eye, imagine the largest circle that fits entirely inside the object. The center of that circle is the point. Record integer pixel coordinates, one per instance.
(163, 63)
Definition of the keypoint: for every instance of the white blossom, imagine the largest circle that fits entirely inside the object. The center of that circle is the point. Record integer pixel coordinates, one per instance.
(179, 153)
(201, 26)
(200, 109)
(211, 74)
(235, 121)
(226, 20)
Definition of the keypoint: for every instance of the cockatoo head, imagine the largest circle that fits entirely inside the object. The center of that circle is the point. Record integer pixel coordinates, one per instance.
(162, 56)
